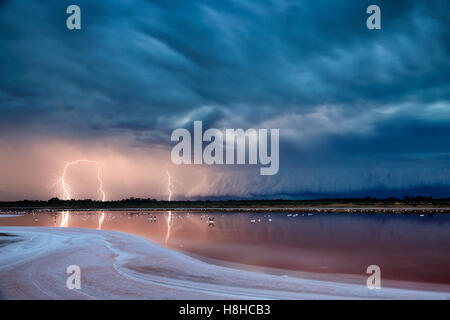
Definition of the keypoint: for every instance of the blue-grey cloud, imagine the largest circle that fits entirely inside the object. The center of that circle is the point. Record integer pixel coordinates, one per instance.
(348, 100)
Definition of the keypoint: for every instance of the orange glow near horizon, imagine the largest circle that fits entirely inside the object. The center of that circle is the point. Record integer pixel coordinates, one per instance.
(105, 170)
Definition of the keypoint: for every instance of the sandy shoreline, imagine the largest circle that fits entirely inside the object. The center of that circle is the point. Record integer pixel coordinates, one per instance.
(116, 265)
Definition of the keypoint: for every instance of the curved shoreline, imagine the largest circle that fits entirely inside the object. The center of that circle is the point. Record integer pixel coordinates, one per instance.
(116, 265)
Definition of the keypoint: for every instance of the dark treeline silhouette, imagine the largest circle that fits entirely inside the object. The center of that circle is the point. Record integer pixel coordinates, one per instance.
(415, 201)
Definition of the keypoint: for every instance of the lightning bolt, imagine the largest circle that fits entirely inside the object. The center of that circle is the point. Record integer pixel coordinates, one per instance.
(65, 187)
(169, 191)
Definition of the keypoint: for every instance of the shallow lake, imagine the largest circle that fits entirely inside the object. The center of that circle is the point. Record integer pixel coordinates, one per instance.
(406, 247)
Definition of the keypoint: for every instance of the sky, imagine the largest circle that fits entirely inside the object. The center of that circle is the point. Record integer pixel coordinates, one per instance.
(360, 112)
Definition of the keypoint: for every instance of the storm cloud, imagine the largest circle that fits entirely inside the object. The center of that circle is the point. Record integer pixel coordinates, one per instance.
(358, 109)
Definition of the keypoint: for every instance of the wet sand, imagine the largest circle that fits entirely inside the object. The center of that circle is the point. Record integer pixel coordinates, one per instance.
(116, 265)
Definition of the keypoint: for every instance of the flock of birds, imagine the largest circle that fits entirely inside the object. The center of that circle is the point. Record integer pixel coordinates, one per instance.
(210, 220)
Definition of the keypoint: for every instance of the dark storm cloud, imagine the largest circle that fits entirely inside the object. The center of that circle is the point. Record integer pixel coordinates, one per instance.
(311, 68)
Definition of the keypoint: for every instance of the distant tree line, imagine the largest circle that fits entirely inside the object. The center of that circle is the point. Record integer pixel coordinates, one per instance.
(153, 203)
